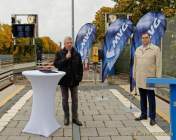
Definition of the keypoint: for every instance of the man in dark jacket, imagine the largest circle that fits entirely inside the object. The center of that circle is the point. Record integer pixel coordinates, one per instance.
(69, 61)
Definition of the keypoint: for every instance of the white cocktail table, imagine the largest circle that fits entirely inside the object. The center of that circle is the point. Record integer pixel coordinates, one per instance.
(42, 120)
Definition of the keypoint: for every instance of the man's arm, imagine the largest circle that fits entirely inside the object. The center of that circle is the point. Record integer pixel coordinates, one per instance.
(59, 60)
(134, 68)
(158, 63)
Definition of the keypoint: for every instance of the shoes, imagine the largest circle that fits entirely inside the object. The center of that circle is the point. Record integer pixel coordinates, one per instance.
(66, 121)
(152, 122)
(140, 118)
(76, 121)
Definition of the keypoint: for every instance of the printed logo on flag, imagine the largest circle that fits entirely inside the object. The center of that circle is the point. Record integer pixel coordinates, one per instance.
(114, 42)
(84, 39)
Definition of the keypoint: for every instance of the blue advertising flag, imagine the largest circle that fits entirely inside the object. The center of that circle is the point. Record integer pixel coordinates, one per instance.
(155, 24)
(85, 37)
(116, 37)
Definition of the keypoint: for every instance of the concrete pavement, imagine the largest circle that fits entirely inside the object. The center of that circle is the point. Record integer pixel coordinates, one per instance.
(103, 110)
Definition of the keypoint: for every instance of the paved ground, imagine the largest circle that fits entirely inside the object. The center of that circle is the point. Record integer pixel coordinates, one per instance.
(105, 115)
(163, 108)
(9, 93)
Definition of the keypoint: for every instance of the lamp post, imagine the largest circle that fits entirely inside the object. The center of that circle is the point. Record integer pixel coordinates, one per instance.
(73, 20)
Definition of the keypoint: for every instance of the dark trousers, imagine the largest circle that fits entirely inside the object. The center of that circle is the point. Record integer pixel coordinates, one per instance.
(144, 93)
(74, 97)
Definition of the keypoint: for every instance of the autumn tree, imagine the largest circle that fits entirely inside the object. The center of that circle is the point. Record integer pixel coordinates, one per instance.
(100, 22)
(49, 46)
(136, 8)
(5, 39)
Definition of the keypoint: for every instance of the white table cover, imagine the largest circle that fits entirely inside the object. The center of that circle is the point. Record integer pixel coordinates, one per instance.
(42, 120)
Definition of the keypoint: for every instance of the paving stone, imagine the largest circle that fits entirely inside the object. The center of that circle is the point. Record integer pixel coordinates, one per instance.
(107, 132)
(132, 123)
(67, 126)
(99, 138)
(35, 137)
(144, 138)
(67, 132)
(3, 137)
(21, 117)
(22, 124)
(114, 124)
(28, 134)
(132, 131)
(91, 112)
(58, 133)
(103, 111)
(101, 117)
(62, 138)
(12, 124)
(163, 137)
(18, 138)
(130, 116)
(85, 138)
(86, 117)
(11, 132)
(121, 138)
(89, 132)
(118, 117)
(95, 124)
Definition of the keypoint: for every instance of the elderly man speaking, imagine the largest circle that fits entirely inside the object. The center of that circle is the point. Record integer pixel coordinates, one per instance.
(146, 64)
(69, 61)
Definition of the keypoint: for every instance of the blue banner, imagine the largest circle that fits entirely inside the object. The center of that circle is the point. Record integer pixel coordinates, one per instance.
(155, 24)
(116, 37)
(85, 38)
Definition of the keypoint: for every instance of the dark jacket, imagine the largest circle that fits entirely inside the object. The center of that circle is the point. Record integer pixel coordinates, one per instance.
(72, 66)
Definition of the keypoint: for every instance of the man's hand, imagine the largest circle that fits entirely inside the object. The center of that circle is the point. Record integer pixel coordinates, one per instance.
(45, 67)
(68, 55)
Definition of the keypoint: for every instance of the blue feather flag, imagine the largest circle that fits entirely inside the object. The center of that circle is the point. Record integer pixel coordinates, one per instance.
(116, 37)
(85, 37)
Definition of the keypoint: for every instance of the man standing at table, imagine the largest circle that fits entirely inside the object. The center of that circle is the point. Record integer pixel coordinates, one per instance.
(146, 64)
(69, 61)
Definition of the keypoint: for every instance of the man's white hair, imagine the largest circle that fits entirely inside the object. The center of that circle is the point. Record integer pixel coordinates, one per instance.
(67, 38)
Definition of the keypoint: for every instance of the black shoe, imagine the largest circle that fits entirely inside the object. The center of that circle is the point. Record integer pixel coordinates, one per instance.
(140, 118)
(152, 122)
(76, 121)
(66, 121)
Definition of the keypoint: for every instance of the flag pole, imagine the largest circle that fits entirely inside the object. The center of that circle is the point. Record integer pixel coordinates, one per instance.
(130, 82)
(161, 63)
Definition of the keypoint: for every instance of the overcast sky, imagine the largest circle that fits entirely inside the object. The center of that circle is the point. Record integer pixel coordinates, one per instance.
(54, 15)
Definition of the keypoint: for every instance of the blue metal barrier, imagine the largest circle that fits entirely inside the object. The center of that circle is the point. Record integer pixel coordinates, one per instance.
(152, 82)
